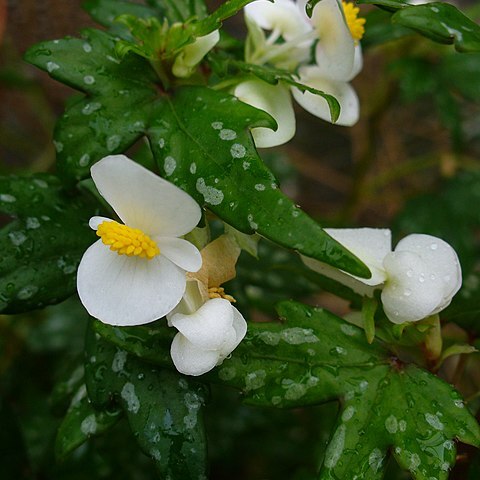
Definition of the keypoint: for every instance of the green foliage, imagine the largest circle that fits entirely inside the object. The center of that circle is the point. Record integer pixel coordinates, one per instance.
(43, 244)
(312, 357)
(81, 422)
(199, 143)
(163, 408)
(441, 22)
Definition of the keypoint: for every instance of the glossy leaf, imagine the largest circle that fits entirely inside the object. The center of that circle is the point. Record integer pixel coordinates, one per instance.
(181, 10)
(105, 12)
(313, 357)
(199, 137)
(82, 422)
(164, 409)
(439, 21)
(43, 244)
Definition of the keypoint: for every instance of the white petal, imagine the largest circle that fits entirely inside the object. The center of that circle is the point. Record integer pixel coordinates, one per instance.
(144, 200)
(122, 290)
(275, 100)
(357, 62)
(318, 106)
(189, 359)
(182, 253)
(441, 262)
(210, 327)
(370, 245)
(193, 53)
(410, 294)
(191, 301)
(282, 16)
(335, 51)
(96, 221)
(240, 329)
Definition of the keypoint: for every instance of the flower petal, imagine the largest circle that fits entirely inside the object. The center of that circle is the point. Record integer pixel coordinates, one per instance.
(182, 253)
(192, 300)
(370, 245)
(282, 16)
(210, 327)
(189, 359)
(193, 53)
(122, 290)
(275, 100)
(335, 51)
(240, 328)
(441, 261)
(410, 294)
(144, 200)
(94, 222)
(318, 106)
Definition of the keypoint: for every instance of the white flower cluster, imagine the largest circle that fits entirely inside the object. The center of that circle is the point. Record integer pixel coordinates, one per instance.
(136, 272)
(418, 279)
(333, 32)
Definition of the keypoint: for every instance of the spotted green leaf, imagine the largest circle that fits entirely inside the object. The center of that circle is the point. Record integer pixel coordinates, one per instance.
(439, 21)
(313, 357)
(82, 422)
(164, 409)
(199, 137)
(43, 243)
(181, 10)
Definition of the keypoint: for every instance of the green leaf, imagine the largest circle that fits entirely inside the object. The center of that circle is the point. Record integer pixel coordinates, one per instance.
(273, 76)
(200, 139)
(42, 246)
(442, 23)
(313, 357)
(163, 408)
(438, 21)
(82, 422)
(214, 21)
(181, 10)
(105, 12)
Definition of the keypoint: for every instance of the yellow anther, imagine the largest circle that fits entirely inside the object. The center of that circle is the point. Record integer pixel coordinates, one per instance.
(219, 292)
(354, 22)
(126, 240)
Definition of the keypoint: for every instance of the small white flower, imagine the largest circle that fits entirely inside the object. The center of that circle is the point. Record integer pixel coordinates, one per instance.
(209, 326)
(206, 337)
(417, 280)
(192, 54)
(135, 273)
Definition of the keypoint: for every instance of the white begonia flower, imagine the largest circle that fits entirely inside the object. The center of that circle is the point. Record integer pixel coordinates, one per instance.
(417, 280)
(338, 56)
(192, 54)
(209, 326)
(136, 272)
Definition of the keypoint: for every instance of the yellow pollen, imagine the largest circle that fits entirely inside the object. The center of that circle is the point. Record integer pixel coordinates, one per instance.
(126, 240)
(354, 22)
(219, 292)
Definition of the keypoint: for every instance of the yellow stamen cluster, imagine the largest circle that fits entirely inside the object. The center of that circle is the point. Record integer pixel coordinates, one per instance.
(126, 240)
(354, 22)
(219, 292)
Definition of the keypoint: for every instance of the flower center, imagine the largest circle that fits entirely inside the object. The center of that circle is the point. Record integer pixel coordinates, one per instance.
(219, 292)
(126, 240)
(355, 24)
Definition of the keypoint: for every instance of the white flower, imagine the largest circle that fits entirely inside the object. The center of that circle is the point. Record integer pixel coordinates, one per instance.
(192, 54)
(209, 326)
(418, 279)
(206, 337)
(135, 273)
(338, 60)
